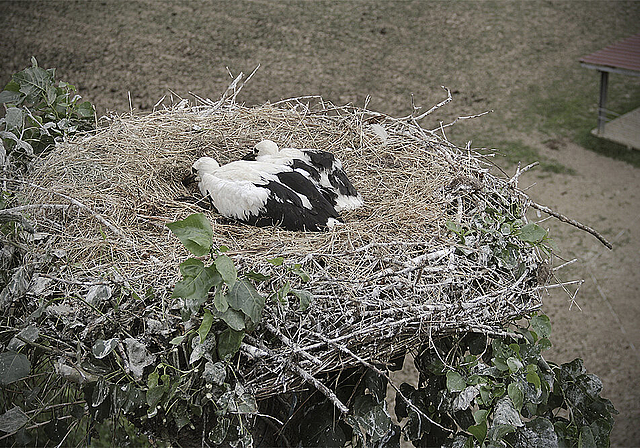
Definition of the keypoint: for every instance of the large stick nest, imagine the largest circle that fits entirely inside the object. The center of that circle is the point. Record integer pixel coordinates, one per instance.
(392, 275)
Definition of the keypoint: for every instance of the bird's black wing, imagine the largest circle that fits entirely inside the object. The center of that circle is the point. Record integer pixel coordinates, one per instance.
(321, 210)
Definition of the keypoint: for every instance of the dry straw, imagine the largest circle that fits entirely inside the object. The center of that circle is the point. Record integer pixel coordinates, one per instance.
(392, 276)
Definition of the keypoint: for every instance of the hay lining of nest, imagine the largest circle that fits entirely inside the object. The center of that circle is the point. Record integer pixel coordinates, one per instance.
(390, 276)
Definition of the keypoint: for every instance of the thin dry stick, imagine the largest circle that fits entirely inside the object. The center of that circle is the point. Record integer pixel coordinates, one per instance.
(573, 222)
(379, 372)
(13, 216)
(440, 104)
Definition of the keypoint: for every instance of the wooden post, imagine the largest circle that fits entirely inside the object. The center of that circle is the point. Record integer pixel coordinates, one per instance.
(602, 106)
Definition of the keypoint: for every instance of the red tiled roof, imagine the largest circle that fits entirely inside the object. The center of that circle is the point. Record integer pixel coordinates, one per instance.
(624, 54)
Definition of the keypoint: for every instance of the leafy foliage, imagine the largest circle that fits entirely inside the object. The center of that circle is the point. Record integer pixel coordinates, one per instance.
(502, 392)
(41, 111)
(499, 237)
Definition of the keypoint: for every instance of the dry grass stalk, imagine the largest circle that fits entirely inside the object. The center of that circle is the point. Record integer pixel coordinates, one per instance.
(382, 282)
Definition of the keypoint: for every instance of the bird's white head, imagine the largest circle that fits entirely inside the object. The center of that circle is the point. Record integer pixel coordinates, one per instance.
(204, 164)
(265, 147)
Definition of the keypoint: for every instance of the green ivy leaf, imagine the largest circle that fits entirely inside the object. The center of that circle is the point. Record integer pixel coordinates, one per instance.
(33, 82)
(196, 283)
(586, 439)
(304, 296)
(257, 277)
(277, 261)
(486, 395)
(13, 366)
(454, 227)
(102, 348)
(12, 86)
(244, 297)
(205, 326)
(10, 97)
(152, 379)
(194, 232)
(154, 395)
(215, 373)
(243, 403)
(13, 419)
(516, 395)
(500, 364)
(14, 119)
(534, 379)
(29, 333)
(498, 431)
(544, 344)
(541, 325)
(220, 301)
(282, 293)
(50, 94)
(177, 340)
(85, 110)
(479, 431)
(229, 342)
(297, 269)
(514, 364)
(532, 233)
(234, 319)
(227, 270)
(455, 381)
(480, 416)
(100, 392)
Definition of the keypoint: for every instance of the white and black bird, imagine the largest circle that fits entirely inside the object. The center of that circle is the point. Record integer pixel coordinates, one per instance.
(264, 194)
(321, 167)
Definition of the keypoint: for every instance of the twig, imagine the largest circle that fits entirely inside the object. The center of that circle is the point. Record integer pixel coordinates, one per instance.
(11, 216)
(519, 172)
(313, 381)
(440, 104)
(379, 372)
(573, 222)
(40, 346)
(468, 117)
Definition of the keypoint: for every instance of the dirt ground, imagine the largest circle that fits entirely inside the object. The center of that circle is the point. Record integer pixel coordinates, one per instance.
(492, 55)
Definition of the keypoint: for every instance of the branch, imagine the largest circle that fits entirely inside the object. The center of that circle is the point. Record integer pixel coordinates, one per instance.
(379, 372)
(440, 104)
(573, 222)
(309, 378)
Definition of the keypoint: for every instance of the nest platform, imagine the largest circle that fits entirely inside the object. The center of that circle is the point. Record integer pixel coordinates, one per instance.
(389, 278)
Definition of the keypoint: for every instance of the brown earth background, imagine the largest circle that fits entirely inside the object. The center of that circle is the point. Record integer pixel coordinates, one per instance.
(519, 59)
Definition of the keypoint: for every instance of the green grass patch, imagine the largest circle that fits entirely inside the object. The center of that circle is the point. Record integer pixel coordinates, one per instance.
(511, 152)
(569, 109)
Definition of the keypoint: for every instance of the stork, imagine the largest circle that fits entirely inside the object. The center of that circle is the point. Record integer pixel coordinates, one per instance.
(321, 167)
(263, 194)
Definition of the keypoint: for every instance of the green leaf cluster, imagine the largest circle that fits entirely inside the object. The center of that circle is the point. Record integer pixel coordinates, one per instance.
(236, 302)
(502, 392)
(40, 111)
(497, 236)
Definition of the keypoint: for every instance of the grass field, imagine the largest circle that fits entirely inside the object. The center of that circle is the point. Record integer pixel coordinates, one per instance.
(519, 59)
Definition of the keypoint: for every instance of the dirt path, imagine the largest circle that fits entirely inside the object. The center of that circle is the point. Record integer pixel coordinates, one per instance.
(602, 326)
